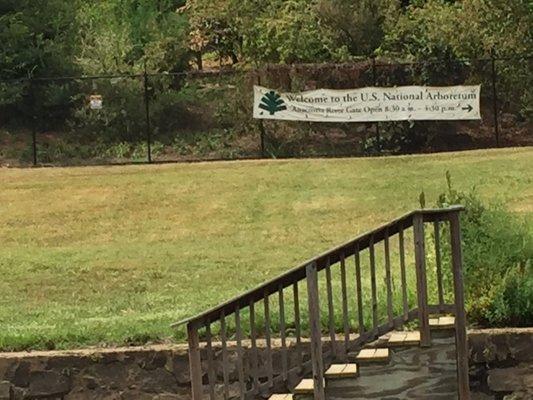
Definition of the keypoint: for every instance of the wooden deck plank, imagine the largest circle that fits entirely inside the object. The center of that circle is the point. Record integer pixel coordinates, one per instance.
(412, 338)
(351, 369)
(381, 354)
(373, 355)
(304, 387)
(366, 353)
(443, 322)
(397, 338)
(286, 396)
(337, 371)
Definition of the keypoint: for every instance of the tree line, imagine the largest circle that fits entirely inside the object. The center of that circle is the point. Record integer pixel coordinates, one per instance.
(59, 37)
(54, 38)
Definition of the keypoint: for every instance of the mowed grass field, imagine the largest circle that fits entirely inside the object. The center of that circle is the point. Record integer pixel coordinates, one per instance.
(114, 255)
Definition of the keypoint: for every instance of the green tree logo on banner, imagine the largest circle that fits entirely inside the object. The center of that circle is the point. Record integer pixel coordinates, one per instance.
(272, 102)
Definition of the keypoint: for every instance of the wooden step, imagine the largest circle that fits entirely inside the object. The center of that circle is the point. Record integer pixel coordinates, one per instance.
(306, 386)
(442, 323)
(373, 355)
(342, 371)
(286, 396)
(305, 390)
(399, 339)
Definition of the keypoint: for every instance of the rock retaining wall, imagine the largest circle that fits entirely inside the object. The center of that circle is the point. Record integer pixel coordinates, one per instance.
(159, 372)
(153, 372)
(501, 365)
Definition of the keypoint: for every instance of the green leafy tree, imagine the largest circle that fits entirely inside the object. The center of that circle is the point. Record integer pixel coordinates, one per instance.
(215, 27)
(356, 26)
(285, 32)
(121, 35)
(469, 28)
(37, 40)
(37, 37)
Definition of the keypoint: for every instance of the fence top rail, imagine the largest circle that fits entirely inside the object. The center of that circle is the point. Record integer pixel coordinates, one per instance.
(381, 61)
(323, 260)
(193, 73)
(384, 61)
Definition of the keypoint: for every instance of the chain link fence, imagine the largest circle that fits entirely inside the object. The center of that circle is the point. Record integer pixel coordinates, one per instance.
(207, 115)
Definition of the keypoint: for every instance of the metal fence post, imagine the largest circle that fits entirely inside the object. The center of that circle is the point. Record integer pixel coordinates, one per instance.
(495, 99)
(195, 361)
(33, 122)
(147, 110)
(316, 333)
(421, 280)
(261, 125)
(461, 340)
(262, 134)
(374, 80)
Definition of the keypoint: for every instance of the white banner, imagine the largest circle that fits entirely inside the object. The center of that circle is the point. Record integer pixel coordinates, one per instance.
(370, 104)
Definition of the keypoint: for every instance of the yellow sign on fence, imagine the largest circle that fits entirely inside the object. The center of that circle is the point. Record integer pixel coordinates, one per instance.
(95, 102)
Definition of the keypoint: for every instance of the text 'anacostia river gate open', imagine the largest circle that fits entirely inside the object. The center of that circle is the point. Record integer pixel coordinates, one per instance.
(370, 104)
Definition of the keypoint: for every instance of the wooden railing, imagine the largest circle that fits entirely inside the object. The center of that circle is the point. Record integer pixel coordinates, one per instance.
(298, 326)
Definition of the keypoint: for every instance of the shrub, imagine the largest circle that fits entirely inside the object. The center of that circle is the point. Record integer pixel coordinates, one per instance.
(512, 303)
(497, 253)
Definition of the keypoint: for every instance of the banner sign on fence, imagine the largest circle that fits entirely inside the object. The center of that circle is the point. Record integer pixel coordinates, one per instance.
(370, 104)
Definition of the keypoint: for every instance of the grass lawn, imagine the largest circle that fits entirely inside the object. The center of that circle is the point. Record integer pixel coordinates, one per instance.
(113, 255)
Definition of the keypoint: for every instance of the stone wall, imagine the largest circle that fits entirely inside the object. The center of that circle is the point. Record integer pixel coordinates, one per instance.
(157, 372)
(501, 364)
(153, 372)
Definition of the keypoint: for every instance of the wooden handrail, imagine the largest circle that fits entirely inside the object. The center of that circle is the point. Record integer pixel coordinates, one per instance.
(331, 256)
(307, 273)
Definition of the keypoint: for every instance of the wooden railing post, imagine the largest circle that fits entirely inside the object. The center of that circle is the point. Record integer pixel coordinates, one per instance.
(460, 314)
(421, 280)
(195, 362)
(316, 333)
